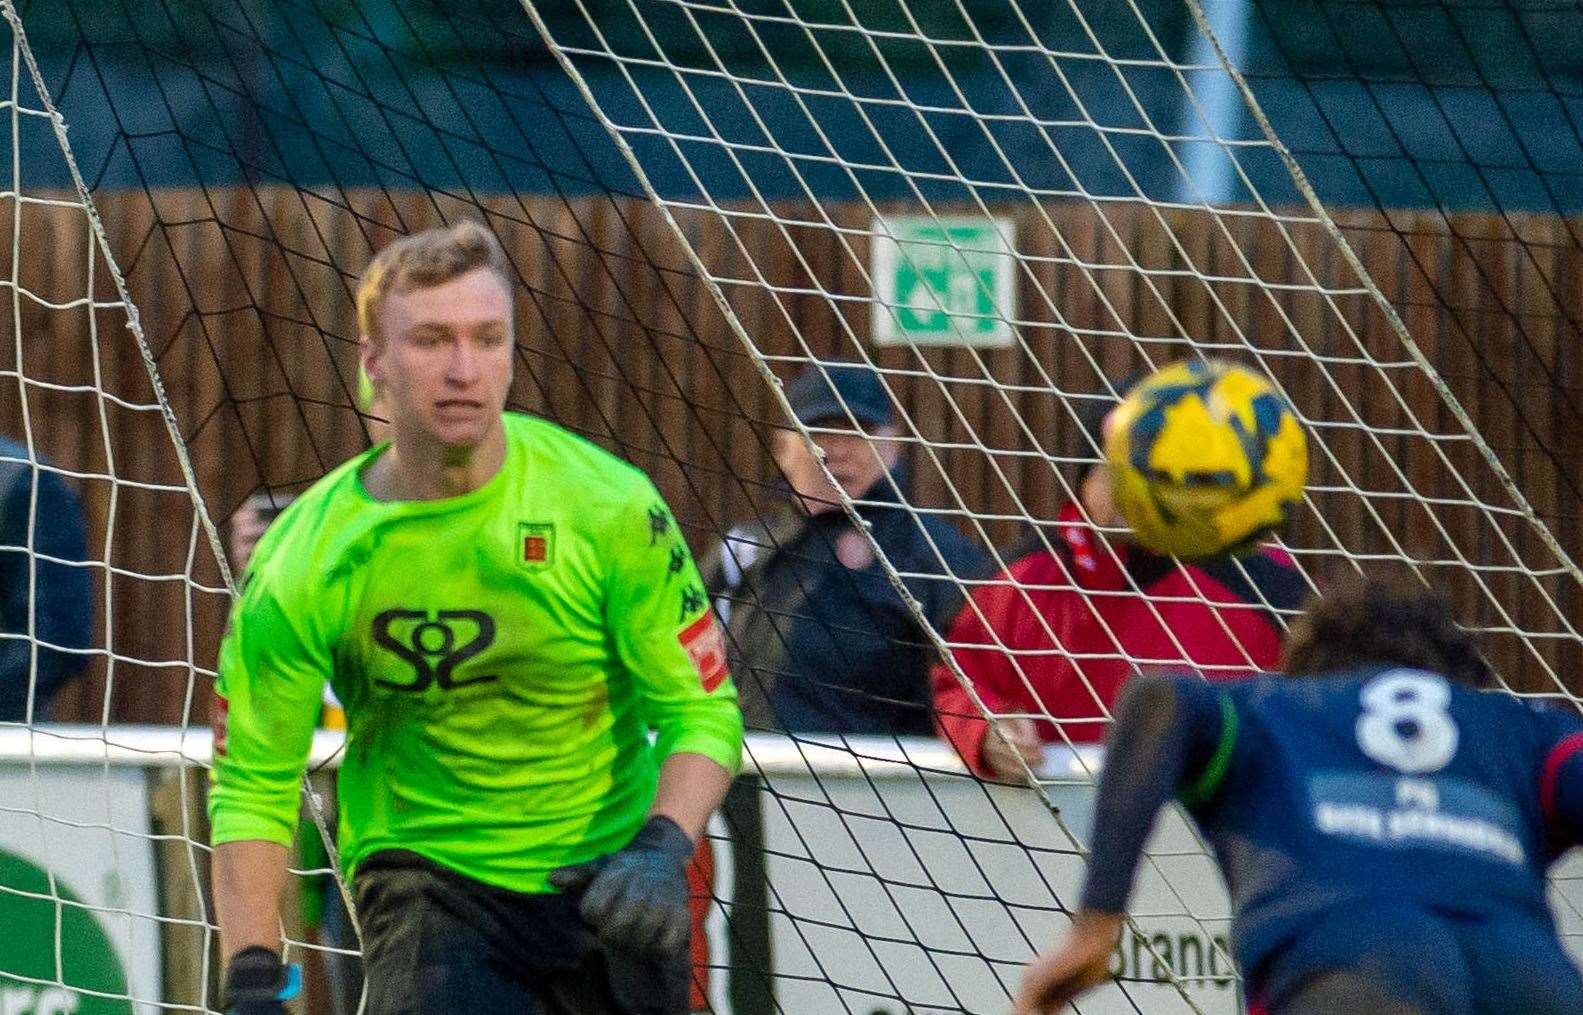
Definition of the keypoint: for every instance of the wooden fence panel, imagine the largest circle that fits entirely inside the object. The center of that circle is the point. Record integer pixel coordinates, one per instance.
(246, 299)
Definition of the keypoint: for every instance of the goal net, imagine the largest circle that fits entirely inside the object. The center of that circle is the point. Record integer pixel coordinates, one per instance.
(1003, 208)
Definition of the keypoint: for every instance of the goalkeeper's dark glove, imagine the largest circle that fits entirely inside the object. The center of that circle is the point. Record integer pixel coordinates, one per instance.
(258, 983)
(636, 898)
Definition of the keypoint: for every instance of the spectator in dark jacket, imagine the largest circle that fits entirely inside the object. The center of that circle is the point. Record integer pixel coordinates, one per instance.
(46, 594)
(818, 638)
(1061, 629)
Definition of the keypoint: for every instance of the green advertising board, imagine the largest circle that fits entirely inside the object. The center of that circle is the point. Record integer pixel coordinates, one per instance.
(34, 921)
(79, 931)
(944, 281)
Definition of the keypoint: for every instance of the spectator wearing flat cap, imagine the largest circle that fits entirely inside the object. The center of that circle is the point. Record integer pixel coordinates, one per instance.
(1073, 615)
(818, 638)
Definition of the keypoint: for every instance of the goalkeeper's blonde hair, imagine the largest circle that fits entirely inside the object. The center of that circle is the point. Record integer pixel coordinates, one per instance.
(423, 261)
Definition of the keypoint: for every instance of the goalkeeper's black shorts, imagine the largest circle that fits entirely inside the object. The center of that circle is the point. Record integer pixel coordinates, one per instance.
(438, 943)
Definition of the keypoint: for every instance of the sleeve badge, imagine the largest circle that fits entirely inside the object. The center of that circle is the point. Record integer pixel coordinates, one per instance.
(707, 649)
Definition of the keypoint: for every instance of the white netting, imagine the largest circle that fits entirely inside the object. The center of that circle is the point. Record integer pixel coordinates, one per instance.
(880, 115)
(81, 842)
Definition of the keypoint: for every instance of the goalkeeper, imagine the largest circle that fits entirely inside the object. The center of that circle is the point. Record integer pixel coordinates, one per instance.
(506, 611)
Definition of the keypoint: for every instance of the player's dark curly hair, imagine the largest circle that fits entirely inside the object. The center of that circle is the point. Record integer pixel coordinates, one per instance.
(1370, 623)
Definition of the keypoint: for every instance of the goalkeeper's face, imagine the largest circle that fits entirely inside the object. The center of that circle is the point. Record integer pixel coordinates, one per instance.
(442, 365)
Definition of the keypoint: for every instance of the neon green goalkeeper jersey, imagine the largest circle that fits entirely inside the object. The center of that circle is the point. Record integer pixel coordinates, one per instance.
(502, 657)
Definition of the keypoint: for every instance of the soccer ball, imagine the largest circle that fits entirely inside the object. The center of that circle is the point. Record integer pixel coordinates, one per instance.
(1205, 458)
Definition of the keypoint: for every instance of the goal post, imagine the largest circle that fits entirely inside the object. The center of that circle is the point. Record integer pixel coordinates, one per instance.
(1003, 208)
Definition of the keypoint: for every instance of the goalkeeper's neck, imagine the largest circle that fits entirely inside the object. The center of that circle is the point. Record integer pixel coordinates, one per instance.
(419, 467)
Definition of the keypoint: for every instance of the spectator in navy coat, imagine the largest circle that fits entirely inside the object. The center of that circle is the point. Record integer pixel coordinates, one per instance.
(818, 638)
(46, 592)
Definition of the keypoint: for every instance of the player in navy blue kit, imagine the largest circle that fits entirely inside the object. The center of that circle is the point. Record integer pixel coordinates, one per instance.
(1383, 826)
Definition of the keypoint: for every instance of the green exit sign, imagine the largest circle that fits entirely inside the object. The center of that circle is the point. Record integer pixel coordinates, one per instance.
(943, 281)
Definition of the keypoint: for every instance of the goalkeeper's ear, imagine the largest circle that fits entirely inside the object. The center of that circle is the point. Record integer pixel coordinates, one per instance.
(369, 350)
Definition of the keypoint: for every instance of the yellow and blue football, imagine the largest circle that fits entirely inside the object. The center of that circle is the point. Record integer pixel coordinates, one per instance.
(1206, 458)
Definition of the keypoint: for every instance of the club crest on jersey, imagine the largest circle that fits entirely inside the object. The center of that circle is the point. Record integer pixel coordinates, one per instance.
(706, 648)
(535, 545)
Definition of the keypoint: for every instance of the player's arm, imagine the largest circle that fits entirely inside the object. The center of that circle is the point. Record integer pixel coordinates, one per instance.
(248, 879)
(981, 626)
(1167, 732)
(665, 634)
(691, 789)
(270, 685)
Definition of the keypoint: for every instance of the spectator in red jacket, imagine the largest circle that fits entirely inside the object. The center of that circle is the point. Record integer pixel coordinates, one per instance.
(1064, 625)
